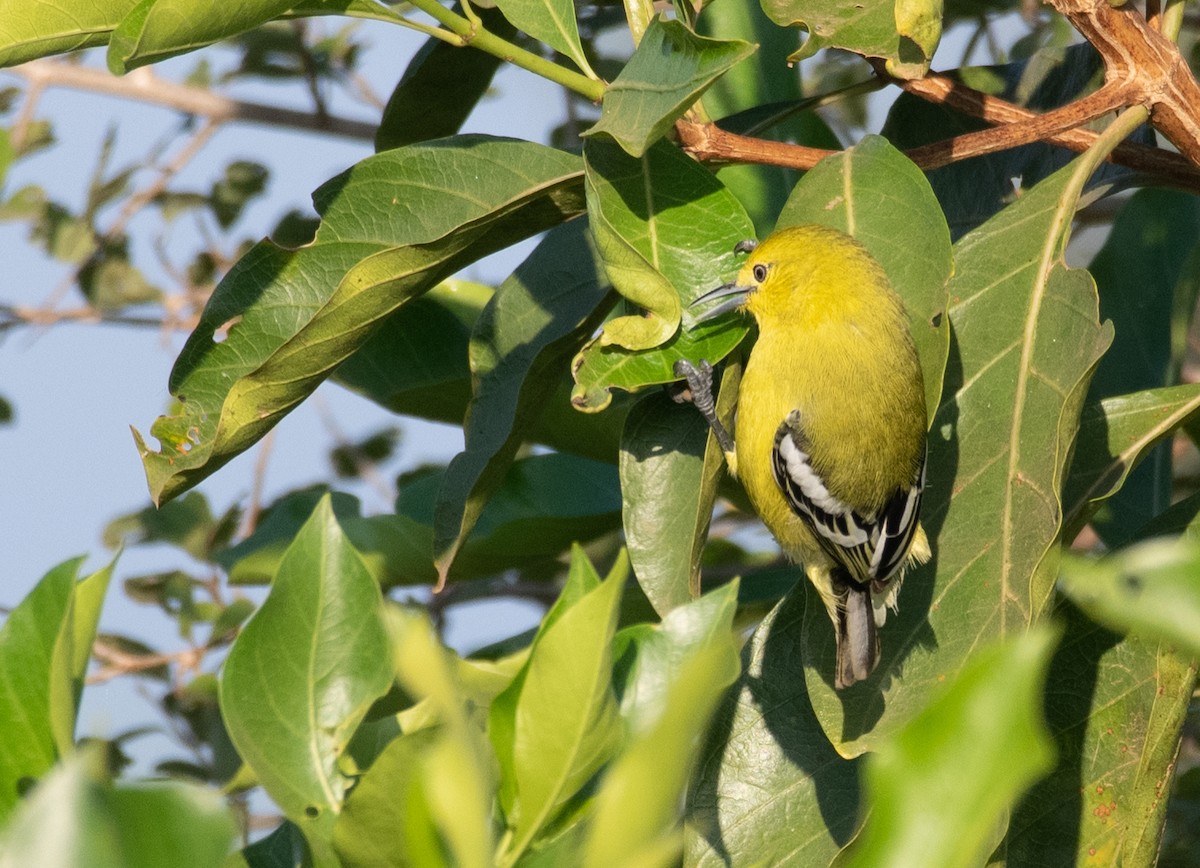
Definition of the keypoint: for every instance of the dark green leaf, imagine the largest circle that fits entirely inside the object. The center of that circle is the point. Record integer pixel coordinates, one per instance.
(520, 352)
(1115, 436)
(669, 473)
(1138, 273)
(765, 741)
(665, 229)
(243, 181)
(973, 190)
(669, 71)
(417, 362)
(758, 82)
(543, 504)
(392, 227)
(187, 523)
(440, 87)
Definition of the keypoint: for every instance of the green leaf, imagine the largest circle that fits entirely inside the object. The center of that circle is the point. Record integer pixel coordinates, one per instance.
(1027, 339)
(766, 741)
(1115, 707)
(904, 34)
(440, 87)
(283, 848)
(416, 363)
(636, 816)
(29, 31)
(302, 674)
(942, 786)
(1140, 274)
(75, 817)
(756, 83)
(35, 683)
(387, 820)
(281, 320)
(155, 30)
(669, 468)
(456, 768)
(1150, 588)
(520, 351)
(652, 657)
(670, 69)
(665, 229)
(502, 716)
(1115, 435)
(564, 720)
(187, 523)
(551, 22)
(543, 504)
(856, 192)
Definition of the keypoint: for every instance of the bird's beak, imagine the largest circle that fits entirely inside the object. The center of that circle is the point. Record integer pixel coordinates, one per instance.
(734, 296)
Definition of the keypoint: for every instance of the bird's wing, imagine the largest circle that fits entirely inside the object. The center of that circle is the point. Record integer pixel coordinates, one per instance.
(871, 547)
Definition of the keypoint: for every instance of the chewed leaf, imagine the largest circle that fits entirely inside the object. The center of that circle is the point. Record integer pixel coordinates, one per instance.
(392, 227)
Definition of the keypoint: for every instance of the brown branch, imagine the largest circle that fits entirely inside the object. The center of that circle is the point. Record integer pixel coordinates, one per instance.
(940, 89)
(144, 86)
(1135, 52)
(1032, 128)
(707, 142)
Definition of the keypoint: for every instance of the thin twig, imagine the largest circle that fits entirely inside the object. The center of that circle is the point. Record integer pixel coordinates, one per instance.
(255, 507)
(150, 88)
(12, 315)
(118, 662)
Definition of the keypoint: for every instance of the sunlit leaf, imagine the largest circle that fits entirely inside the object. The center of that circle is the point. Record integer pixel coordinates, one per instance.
(904, 34)
(75, 817)
(667, 73)
(29, 31)
(941, 787)
(303, 672)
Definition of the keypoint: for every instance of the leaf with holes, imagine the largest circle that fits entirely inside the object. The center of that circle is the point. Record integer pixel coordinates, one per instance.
(905, 34)
(281, 321)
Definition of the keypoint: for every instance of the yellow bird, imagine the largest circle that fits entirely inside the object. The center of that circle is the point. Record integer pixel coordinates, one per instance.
(830, 424)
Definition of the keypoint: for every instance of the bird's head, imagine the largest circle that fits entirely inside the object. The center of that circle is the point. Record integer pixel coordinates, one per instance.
(792, 270)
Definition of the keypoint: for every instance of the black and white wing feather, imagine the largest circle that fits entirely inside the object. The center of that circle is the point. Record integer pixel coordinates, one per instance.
(872, 547)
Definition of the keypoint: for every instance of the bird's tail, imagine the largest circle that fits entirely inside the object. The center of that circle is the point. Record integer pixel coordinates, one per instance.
(856, 629)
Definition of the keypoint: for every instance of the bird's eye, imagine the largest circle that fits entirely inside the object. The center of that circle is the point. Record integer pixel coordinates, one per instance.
(760, 273)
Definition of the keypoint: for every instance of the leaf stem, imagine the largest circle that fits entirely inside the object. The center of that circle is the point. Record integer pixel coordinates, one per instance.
(1115, 133)
(470, 33)
(639, 14)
